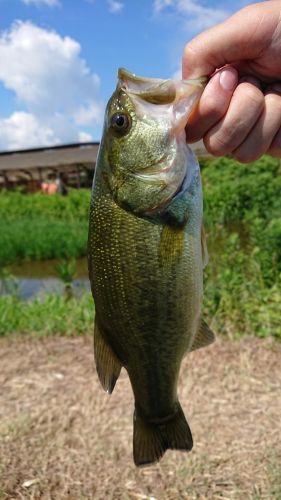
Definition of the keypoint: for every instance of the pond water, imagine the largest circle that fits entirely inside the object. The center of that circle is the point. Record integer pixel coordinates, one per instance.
(41, 277)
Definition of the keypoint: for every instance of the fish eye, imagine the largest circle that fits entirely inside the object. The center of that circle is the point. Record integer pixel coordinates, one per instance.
(120, 123)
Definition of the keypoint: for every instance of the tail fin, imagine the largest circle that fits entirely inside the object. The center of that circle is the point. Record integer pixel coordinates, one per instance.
(151, 440)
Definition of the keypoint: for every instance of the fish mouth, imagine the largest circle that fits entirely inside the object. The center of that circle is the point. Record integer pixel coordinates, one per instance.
(126, 75)
(157, 90)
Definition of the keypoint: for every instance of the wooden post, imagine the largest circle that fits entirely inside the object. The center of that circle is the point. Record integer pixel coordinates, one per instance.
(78, 176)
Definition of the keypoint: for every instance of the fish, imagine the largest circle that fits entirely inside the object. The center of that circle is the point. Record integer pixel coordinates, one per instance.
(146, 254)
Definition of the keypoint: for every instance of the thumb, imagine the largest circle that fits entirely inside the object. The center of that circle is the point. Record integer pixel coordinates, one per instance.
(233, 40)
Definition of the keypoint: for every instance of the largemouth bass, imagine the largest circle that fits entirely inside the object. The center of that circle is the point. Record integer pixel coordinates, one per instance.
(146, 254)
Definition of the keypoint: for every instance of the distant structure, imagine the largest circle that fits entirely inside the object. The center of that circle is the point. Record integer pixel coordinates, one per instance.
(67, 165)
(71, 164)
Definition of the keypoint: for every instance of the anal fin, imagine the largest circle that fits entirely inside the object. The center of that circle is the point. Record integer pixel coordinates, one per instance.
(107, 364)
(204, 336)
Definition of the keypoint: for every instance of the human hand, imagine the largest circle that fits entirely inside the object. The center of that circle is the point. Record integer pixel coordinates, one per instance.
(239, 112)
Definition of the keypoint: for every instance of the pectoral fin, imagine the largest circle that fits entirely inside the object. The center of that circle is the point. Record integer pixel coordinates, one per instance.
(203, 337)
(107, 364)
(171, 245)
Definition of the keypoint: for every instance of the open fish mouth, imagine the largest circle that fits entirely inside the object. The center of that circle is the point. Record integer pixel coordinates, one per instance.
(142, 83)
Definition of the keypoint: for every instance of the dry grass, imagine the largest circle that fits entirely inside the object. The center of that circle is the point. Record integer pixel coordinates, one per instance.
(61, 432)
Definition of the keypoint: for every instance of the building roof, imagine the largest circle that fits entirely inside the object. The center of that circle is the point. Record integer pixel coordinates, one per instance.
(50, 157)
(68, 155)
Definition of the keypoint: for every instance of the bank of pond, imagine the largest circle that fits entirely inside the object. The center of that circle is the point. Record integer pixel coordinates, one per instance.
(242, 214)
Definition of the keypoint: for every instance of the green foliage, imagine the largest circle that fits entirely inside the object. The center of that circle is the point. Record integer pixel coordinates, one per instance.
(265, 237)
(41, 238)
(51, 315)
(14, 204)
(66, 270)
(234, 192)
(38, 227)
(242, 215)
(8, 283)
(237, 299)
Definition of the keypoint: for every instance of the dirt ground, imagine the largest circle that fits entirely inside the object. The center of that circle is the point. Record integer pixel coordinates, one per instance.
(62, 437)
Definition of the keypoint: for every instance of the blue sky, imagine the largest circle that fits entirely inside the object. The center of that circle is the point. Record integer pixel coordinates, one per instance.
(58, 59)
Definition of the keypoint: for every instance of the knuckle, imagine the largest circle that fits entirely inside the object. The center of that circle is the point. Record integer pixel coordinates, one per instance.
(226, 139)
(252, 94)
(217, 145)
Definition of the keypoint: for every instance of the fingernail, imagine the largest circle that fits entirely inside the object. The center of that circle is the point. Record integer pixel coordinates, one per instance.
(228, 79)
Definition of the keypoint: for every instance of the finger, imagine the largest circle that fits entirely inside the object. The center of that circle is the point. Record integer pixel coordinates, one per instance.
(262, 134)
(213, 104)
(275, 146)
(234, 40)
(246, 106)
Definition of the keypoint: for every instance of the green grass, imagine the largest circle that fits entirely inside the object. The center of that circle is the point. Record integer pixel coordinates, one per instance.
(43, 317)
(234, 192)
(14, 204)
(274, 472)
(237, 297)
(39, 227)
(242, 217)
(41, 238)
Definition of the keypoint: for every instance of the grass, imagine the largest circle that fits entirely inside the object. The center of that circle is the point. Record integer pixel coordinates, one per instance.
(237, 298)
(233, 309)
(43, 317)
(274, 469)
(39, 227)
(75, 205)
(63, 437)
(235, 192)
(41, 239)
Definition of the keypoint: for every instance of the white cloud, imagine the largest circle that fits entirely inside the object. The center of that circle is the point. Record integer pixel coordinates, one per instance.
(86, 115)
(51, 81)
(193, 13)
(24, 130)
(85, 137)
(49, 3)
(114, 6)
(160, 5)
